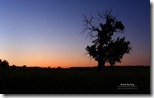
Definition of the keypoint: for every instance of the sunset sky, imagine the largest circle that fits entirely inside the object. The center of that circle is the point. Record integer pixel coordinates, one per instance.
(48, 32)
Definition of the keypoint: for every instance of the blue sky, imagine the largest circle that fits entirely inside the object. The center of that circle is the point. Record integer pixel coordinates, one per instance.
(47, 32)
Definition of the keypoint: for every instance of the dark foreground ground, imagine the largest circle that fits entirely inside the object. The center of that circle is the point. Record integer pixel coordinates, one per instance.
(124, 80)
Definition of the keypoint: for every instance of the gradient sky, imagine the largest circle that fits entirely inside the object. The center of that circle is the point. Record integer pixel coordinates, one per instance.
(47, 32)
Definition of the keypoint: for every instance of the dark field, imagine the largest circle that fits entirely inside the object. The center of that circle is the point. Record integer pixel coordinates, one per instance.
(75, 80)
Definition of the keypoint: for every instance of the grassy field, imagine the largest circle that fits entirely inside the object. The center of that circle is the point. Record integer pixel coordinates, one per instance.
(74, 80)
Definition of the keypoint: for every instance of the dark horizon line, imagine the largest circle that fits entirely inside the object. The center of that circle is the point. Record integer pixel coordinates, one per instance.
(82, 66)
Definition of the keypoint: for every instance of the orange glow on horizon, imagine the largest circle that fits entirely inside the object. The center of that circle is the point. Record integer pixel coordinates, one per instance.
(35, 58)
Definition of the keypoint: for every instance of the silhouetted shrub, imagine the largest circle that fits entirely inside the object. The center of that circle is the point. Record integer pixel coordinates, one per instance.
(13, 66)
(4, 64)
(24, 66)
(59, 67)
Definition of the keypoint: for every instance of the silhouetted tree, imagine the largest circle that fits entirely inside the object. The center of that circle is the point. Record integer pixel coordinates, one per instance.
(104, 48)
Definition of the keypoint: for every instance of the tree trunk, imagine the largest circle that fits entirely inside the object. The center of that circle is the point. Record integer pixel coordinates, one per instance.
(100, 65)
(101, 60)
(112, 67)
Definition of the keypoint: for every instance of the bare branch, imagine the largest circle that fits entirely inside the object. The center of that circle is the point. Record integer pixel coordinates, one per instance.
(89, 22)
(89, 27)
